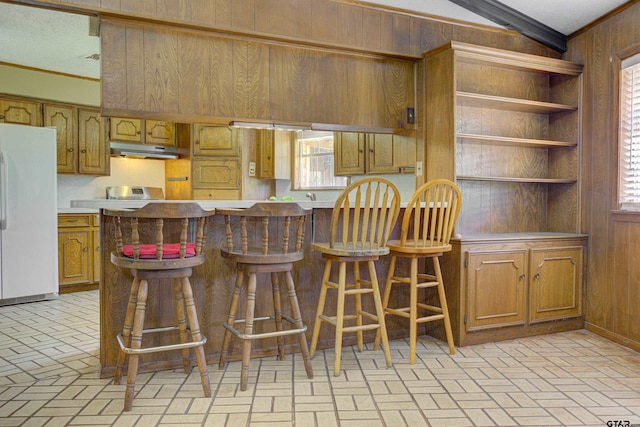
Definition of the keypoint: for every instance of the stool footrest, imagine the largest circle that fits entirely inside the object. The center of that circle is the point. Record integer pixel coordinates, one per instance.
(178, 346)
(235, 332)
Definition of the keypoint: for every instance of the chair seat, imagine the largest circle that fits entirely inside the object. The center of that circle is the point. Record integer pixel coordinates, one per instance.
(411, 247)
(169, 250)
(255, 257)
(156, 264)
(349, 250)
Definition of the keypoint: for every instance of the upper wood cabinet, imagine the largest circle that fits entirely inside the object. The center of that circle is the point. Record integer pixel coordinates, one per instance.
(81, 138)
(506, 127)
(274, 154)
(211, 140)
(152, 132)
(359, 153)
(21, 112)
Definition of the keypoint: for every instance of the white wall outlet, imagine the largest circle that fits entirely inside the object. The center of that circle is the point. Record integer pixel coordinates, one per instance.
(419, 168)
(252, 168)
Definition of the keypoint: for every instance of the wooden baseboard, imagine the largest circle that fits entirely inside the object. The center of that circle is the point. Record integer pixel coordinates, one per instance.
(634, 345)
(67, 289)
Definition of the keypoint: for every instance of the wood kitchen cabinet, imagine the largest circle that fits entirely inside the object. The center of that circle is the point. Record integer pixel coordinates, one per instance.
(152, 132)
(78, 252)
(358, 153)
(274, 154)
(81, 138)
(212, 140)
(513, 285)
(20, 111)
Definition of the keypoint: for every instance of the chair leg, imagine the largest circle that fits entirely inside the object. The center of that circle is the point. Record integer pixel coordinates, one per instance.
(182, 321)
(248, 330)
(136, 343)
(443, 305)
(190, 307)
(126, 329)
(358, 298)
(386, 296)
(342, 276)
(297, 317)
(231, 318)
(413, 310)
(379, 312)
(277, 309)
(320, 310)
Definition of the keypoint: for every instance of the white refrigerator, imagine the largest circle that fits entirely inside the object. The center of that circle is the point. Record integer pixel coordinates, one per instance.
(28, 214)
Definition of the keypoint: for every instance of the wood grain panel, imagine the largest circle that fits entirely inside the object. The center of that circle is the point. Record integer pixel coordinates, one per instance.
(195, 73)
(115, 75)
(161, 83)
(612, 273)
(135, 73)
(351, 34)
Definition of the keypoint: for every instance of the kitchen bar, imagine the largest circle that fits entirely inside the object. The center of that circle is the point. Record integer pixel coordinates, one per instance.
(213, 285)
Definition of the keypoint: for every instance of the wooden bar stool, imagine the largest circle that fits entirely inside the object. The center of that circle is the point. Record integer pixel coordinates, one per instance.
(265, 238)
(163, 258)
(362, 219)
(427, 225)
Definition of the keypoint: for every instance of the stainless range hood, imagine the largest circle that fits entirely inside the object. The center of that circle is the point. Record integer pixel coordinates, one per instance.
(141, 151)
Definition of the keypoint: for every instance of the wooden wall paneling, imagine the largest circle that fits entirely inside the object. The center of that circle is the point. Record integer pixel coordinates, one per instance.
(114, 64)
(243, 14)
(352, 32)
(373, 29)
(398, 92)
(563, 209)
(161, 83)
(401, 37)
(291, 18)
(258, 78)
(633, 280)
(135, 72)
(433, 34)
(139, 7)
(620, 310)
(362, 91)
(200, 12)
(222, 75)
(196, 74)
(325, 21)
(293, 71)
(222, 12)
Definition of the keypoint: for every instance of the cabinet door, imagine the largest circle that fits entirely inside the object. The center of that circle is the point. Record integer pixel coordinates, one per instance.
(496, 285)
(126, 130)
(556, 283)
(20, 112)
(94, 153)
(158, 132)
(266, 160)
(73, 256)
(212, 140)
(64, 119)
(349, 153)
(380, 153)
(219, 173)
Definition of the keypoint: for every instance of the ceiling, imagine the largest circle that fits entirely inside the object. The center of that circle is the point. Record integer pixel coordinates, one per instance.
(60, 42)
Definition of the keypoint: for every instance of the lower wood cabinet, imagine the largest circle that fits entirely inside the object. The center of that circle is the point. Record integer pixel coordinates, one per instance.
(78, 252)
(507, 286)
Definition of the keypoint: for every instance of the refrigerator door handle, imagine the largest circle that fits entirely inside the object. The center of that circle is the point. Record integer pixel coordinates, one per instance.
(4, 189)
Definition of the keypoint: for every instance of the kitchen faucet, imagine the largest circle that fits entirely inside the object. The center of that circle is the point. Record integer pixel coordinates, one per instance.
(311, 196)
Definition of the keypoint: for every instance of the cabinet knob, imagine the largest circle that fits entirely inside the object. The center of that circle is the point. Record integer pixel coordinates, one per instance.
(196, 142)
(149, 133)
(536, 276)
(360, 151)
(70, 150)
(1, 117)
(83, 151)
(86, 249)
(522, 277)
(371, 150)
(138, 132)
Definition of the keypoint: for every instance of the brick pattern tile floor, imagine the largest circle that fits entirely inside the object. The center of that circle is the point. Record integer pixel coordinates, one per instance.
(49, 377)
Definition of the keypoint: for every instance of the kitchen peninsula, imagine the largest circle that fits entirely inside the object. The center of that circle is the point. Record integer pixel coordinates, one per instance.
(213, 285)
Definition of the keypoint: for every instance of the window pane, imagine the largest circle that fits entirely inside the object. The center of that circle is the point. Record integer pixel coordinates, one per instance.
(314, 161)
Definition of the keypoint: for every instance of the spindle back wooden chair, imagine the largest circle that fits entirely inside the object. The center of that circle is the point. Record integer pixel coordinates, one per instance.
(265, 238)
(427, 226)
(363, 216)
(152, 252)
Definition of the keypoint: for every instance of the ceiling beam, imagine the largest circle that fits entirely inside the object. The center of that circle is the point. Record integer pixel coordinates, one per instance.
(512, 19)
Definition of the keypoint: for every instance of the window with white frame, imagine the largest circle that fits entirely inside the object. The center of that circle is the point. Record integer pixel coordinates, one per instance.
(629, 144)
(314, 162)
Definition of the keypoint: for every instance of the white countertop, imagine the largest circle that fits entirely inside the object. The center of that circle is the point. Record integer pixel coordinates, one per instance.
(205, 204)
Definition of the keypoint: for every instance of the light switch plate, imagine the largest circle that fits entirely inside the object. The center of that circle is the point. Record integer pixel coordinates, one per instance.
(252, 168)
(419, 168)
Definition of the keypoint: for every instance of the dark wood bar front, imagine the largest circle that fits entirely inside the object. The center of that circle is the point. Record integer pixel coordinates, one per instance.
(213, 287)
